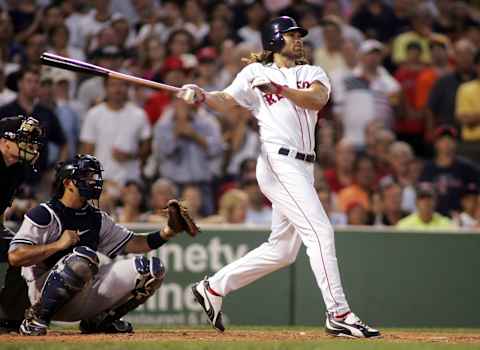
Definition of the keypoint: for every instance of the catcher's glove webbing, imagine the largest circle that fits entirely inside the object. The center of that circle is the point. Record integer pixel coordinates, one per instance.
(179, 220)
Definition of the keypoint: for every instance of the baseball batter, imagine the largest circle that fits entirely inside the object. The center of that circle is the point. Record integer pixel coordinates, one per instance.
(284, 94)
(64, 247)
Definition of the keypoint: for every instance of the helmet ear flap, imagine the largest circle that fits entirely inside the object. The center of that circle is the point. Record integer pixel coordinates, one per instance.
(278, 42)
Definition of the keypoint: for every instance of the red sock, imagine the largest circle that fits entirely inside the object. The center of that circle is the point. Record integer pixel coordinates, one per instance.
(342, 316)
(211, 291)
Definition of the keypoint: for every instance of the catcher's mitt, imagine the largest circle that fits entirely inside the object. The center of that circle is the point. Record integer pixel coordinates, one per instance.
(179, 220)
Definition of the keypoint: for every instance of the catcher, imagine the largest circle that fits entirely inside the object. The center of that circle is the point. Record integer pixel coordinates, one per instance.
(64, 248)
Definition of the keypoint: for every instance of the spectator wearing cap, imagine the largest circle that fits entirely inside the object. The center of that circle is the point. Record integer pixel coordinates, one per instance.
(425, 217)
(173, 72)
(92, 91)
(118, 133)
(442, 98)
(470, 202)
(467, 112)
(207, 69)
(422, 32)
(257, 213)
(185, 142)
(447, 172)
(369, 93)
(329, 56)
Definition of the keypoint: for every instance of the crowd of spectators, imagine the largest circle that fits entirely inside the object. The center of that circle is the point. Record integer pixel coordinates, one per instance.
(397, 145)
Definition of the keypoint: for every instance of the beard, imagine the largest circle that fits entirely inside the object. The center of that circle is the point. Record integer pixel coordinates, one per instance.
(293, 54)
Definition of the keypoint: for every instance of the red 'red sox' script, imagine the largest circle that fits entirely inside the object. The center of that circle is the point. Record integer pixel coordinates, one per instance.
(274, 98)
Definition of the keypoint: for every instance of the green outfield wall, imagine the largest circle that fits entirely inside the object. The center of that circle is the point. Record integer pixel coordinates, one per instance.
(392, 279)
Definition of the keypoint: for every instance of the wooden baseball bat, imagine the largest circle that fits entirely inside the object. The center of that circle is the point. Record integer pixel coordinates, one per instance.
(50, 59)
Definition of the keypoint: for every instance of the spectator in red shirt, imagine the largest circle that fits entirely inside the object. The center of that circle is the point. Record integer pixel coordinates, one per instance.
(410, 125)
(341, 175)
(173, 73)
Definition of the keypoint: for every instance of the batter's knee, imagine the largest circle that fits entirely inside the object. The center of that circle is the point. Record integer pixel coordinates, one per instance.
(79, 267)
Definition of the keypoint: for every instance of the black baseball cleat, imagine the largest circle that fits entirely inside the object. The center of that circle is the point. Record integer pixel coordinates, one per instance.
(350, 326)
(115, 327)
(211, 304)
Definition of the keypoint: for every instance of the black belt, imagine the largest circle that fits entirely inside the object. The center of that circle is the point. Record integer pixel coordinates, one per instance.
(310, 158)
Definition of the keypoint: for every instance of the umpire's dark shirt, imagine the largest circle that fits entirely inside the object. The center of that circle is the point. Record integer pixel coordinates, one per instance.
(48, 120)
(10, 178)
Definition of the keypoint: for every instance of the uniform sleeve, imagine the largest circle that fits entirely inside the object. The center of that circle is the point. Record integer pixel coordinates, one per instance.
(318, 74)
(241, 90)
(35, 228)
(88, 132)
(113, 237)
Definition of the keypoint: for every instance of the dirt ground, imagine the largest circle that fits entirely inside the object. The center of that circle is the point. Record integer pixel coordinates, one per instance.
(243, 335)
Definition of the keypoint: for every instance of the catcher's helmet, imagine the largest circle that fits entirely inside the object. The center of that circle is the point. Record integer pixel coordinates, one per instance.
(86, 173)
(272, 38)
(27, 133)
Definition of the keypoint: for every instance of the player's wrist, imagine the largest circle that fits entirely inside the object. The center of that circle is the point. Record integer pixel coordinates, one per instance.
(279, 89)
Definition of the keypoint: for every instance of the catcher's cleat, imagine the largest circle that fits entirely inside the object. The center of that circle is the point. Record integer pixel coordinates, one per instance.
(115, 327)
(350, 326)
(33, 327)
(211, 304)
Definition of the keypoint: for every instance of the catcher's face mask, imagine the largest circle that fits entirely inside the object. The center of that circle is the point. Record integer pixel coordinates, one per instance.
(29, 140)
(88, 177)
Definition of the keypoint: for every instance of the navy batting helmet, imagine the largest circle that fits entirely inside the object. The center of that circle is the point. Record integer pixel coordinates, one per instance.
(272, 38)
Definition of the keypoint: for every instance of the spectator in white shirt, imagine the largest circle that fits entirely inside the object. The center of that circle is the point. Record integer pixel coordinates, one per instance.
(118, 133)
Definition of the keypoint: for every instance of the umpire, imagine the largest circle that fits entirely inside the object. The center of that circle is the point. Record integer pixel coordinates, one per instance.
(21, 140)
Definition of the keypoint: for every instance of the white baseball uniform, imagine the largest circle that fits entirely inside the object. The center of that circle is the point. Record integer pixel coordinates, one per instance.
(298, 215)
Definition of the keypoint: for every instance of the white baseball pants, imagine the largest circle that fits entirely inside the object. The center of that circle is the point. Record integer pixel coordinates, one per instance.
(298, 216)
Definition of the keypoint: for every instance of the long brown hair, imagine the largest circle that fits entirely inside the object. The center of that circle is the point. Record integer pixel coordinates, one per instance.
(265, 57)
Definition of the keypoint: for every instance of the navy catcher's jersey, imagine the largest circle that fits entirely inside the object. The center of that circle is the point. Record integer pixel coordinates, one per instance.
(46, 222)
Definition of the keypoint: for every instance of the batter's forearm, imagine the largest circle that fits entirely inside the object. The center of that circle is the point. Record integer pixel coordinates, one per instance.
(307, 99)
(31, 255)
(219, 101)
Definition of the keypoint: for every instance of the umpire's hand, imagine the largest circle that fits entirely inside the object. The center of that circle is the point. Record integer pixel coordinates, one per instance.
(68, 239)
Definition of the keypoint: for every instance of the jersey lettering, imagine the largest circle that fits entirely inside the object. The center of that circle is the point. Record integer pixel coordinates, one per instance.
(303, 84)
(272, 98)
